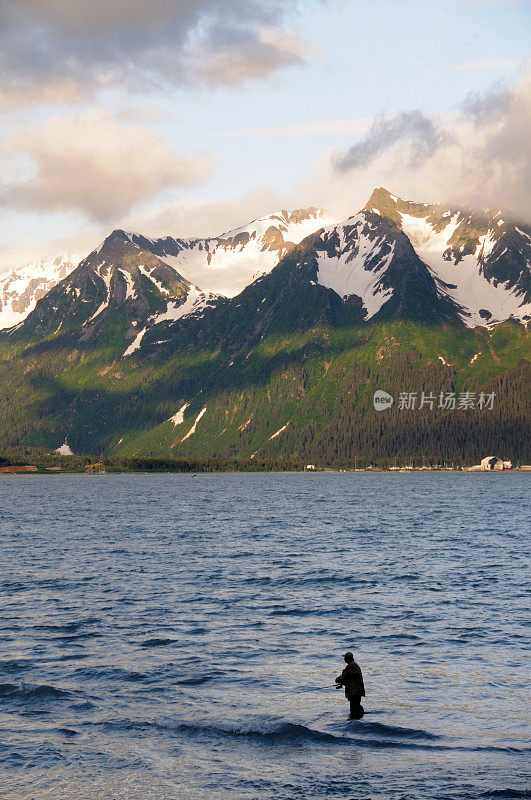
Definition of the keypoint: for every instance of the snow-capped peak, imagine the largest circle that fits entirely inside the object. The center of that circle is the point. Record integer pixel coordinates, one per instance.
(353, 259)
(227, 263)
(469, 264)
(480, 259)
(293, 225)
(476, 262)
(21, 287)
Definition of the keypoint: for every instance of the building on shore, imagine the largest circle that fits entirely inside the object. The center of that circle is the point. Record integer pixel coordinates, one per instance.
(491, 464)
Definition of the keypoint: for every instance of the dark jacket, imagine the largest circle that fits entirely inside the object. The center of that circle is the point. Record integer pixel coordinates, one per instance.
(352, 679)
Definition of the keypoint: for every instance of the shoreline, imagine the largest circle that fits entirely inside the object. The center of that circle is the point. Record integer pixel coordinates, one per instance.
(196, 474)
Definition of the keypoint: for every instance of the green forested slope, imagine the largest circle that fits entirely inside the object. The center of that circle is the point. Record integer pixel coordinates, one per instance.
(318, 382)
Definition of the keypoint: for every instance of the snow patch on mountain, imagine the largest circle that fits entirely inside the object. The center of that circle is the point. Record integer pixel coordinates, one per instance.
(283, 428)
(347, 271)
(148, 272)
(480, 299)
(195, 304)
(135, 344)
(194, 426)
(178, 418)
(23, 286)
(226, 264)
(130, 284)
(223, 270)
(245, 424)
(523, 233)
(107, 277)
(294, 226)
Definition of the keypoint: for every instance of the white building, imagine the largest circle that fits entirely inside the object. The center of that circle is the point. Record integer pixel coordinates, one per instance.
(490, 464)
(493, 463)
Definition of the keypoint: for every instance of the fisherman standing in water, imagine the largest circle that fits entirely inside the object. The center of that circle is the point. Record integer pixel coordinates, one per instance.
(352, 679)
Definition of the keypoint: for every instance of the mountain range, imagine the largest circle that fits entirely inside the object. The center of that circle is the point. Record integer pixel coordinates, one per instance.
(269, 340)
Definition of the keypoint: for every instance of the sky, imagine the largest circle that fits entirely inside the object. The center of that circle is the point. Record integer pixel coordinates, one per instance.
(191, 117)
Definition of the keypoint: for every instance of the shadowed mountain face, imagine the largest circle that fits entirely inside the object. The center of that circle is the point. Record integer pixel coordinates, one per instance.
(369, 258)
(131, 283)
(119, 279)
(360, 271)
(288, 300)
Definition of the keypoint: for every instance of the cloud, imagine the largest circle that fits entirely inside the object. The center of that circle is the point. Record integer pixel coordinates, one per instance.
(94, 164)
(202, 218)
(57, 49)
(478, 155)
(387, 132)
(251, 55)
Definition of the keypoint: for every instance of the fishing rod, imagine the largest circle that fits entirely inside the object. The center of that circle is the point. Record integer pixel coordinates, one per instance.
(317, 689)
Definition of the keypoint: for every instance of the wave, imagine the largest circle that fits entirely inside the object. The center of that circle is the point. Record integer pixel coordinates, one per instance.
(83, 705)
(26, 759)
(157, 642)
(72, 637)
(14, 665)
(283, 611)
(112, 673)
(199, 680)
(380, 729)
(68, 627)
(255, 729)
(279, 729)
(27, 693)
(68, 732)
(74, 656)
(361, 734)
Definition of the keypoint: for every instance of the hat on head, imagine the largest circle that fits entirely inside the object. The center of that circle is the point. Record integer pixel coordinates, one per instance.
(348, 656)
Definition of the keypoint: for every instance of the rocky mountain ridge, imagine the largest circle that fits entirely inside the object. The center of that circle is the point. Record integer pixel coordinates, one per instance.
(129, 355)
(394, 253)
(480, 259)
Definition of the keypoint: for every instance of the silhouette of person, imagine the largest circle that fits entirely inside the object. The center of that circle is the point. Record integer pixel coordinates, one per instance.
(352, 679)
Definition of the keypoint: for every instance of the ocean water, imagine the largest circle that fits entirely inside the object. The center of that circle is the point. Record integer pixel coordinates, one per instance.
(158, 635)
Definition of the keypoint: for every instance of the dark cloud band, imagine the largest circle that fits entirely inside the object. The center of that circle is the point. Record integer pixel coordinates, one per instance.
(54, 43)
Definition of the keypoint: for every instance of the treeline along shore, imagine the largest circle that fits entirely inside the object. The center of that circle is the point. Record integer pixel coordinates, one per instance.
(22, 461)
(35, 461)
